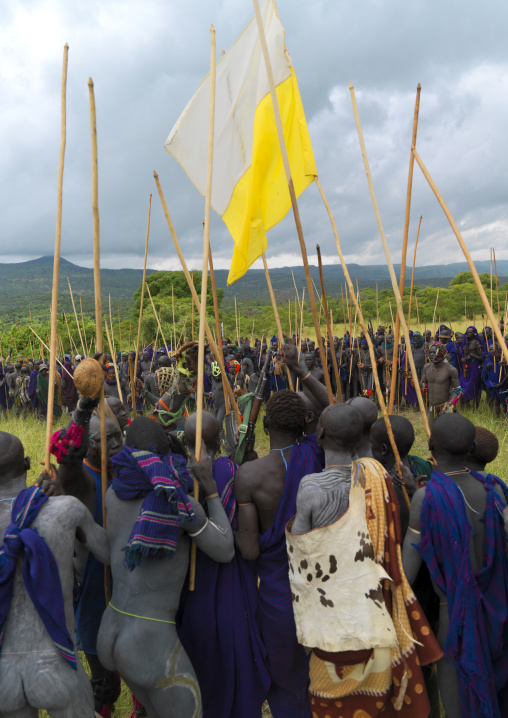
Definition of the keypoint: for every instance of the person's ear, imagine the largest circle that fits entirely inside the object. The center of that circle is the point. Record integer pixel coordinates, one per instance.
(384, 450)
(309, 417)
(265, 425)
(322, 434)
(26, 463)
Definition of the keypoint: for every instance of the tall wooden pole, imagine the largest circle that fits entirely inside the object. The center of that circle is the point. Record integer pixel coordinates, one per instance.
(287, 170)
(83, 323)
(328, 325)
(395, 287)
(142, 292)
(111, 349)
(155, 314)
(472, 268)
(276, 314)
(56, 260)
(196, 301)
(99, 345)
(174, 325)
(372, 355)
(76, 317)
(497, 286)
(227, 403)
(413, 275)
(404, 245)
(119, 334)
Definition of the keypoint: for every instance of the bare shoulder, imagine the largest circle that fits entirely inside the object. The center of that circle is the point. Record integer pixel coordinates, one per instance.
(452, 371)
(416, 509)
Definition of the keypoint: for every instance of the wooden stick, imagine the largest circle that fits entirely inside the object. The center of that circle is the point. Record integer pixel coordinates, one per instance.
(396, 337)
(434, 317)
(192, 312)
(142, 295)
(497, 286)
(56, 263)
(99, 346)
(111, 322)
(196, 301)
(130, 332)
(181, 333)
(287, 169)
(217, 327)
(132, 376)
(367, 338)
(204, 273)
(43, 344)
(328, 325)
(155, 314)
(276, 314)
(248, 315)
(173, 308)
(119, 334)
(390, 265)
(236, 323)
(468, 257)
(83, 322)
(72, 344)
(289, 317)
(118, 385)
(413, 276)
(377, 302)
(76, 317)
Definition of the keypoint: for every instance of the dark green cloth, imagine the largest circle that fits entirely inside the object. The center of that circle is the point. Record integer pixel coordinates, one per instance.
(419, 467)
(42, 395)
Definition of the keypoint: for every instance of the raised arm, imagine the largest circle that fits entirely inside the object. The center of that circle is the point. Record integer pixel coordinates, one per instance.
(318, 390)
(212, 534)
(92, 536)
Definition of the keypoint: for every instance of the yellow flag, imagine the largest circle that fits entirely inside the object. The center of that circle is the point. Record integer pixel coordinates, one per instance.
(249, 186)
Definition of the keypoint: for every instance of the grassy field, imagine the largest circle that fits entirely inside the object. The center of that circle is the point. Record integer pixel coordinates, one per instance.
(32, 434)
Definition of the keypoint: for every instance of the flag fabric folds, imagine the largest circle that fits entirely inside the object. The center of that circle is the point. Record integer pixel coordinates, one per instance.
(249, 185)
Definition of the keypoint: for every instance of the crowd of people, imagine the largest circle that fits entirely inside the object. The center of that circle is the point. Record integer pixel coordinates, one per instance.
(330, 580)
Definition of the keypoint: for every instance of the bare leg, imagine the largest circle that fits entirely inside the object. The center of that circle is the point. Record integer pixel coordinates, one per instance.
(446, 673)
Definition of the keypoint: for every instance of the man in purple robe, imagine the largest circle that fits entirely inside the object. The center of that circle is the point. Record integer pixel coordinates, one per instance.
(265, 491)
(471, 371)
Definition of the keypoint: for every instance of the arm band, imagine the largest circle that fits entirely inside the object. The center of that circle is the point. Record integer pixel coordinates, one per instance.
(212, 496)
(306, 376)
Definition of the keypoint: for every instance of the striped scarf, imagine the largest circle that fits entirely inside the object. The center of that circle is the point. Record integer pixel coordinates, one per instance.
(39, 569)
(164, 483)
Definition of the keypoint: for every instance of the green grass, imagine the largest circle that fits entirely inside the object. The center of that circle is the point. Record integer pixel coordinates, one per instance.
(33, 435)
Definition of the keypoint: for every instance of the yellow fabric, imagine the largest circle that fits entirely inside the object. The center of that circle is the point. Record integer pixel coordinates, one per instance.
(261, 197)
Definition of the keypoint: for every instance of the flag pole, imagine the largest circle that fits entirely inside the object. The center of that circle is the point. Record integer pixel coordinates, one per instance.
(56, 262)
(328, 324)
(287, 169)
(404, 244)
(196, 301)
(395, 287)
(370, 345)
(99, 345)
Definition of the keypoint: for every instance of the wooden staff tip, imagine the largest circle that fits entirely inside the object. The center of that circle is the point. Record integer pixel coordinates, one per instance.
(66, 46)
(212, 29)
(418, 87)
(351, 86)
(90, 83)
(155, 175)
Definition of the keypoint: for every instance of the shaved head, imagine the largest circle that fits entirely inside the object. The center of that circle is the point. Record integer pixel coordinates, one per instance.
(403, 433)
(12, 454)
(367, 409)
(340, 424)
(453, 434)
(210, 430)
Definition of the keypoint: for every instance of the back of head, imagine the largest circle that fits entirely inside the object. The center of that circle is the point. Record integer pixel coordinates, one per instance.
(486, 446)
(12, 454)
(452, 434)
(341, 424)
(147, 435)
(403, 433)
(164, 361)
(286, 412)
(367, 409)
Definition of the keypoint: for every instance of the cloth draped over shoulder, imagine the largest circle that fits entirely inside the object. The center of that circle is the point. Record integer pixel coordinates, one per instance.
(217, 623)
(39, 570)
(387, 682)
(287, 661)
(164, 483)
(477, 638)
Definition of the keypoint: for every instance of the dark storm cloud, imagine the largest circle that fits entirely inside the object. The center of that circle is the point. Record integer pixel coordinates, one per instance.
(147, 59)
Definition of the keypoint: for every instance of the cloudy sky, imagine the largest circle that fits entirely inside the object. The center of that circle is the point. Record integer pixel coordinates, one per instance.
(147, 58)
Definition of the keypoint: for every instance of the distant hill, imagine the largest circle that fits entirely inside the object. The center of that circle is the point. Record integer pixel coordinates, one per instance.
(29, 283)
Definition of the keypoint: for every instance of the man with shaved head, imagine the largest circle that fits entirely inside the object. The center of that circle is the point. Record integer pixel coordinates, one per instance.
(456, 526)
(39, 668)
(223, 642)
(342, 546)
(368, 412)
